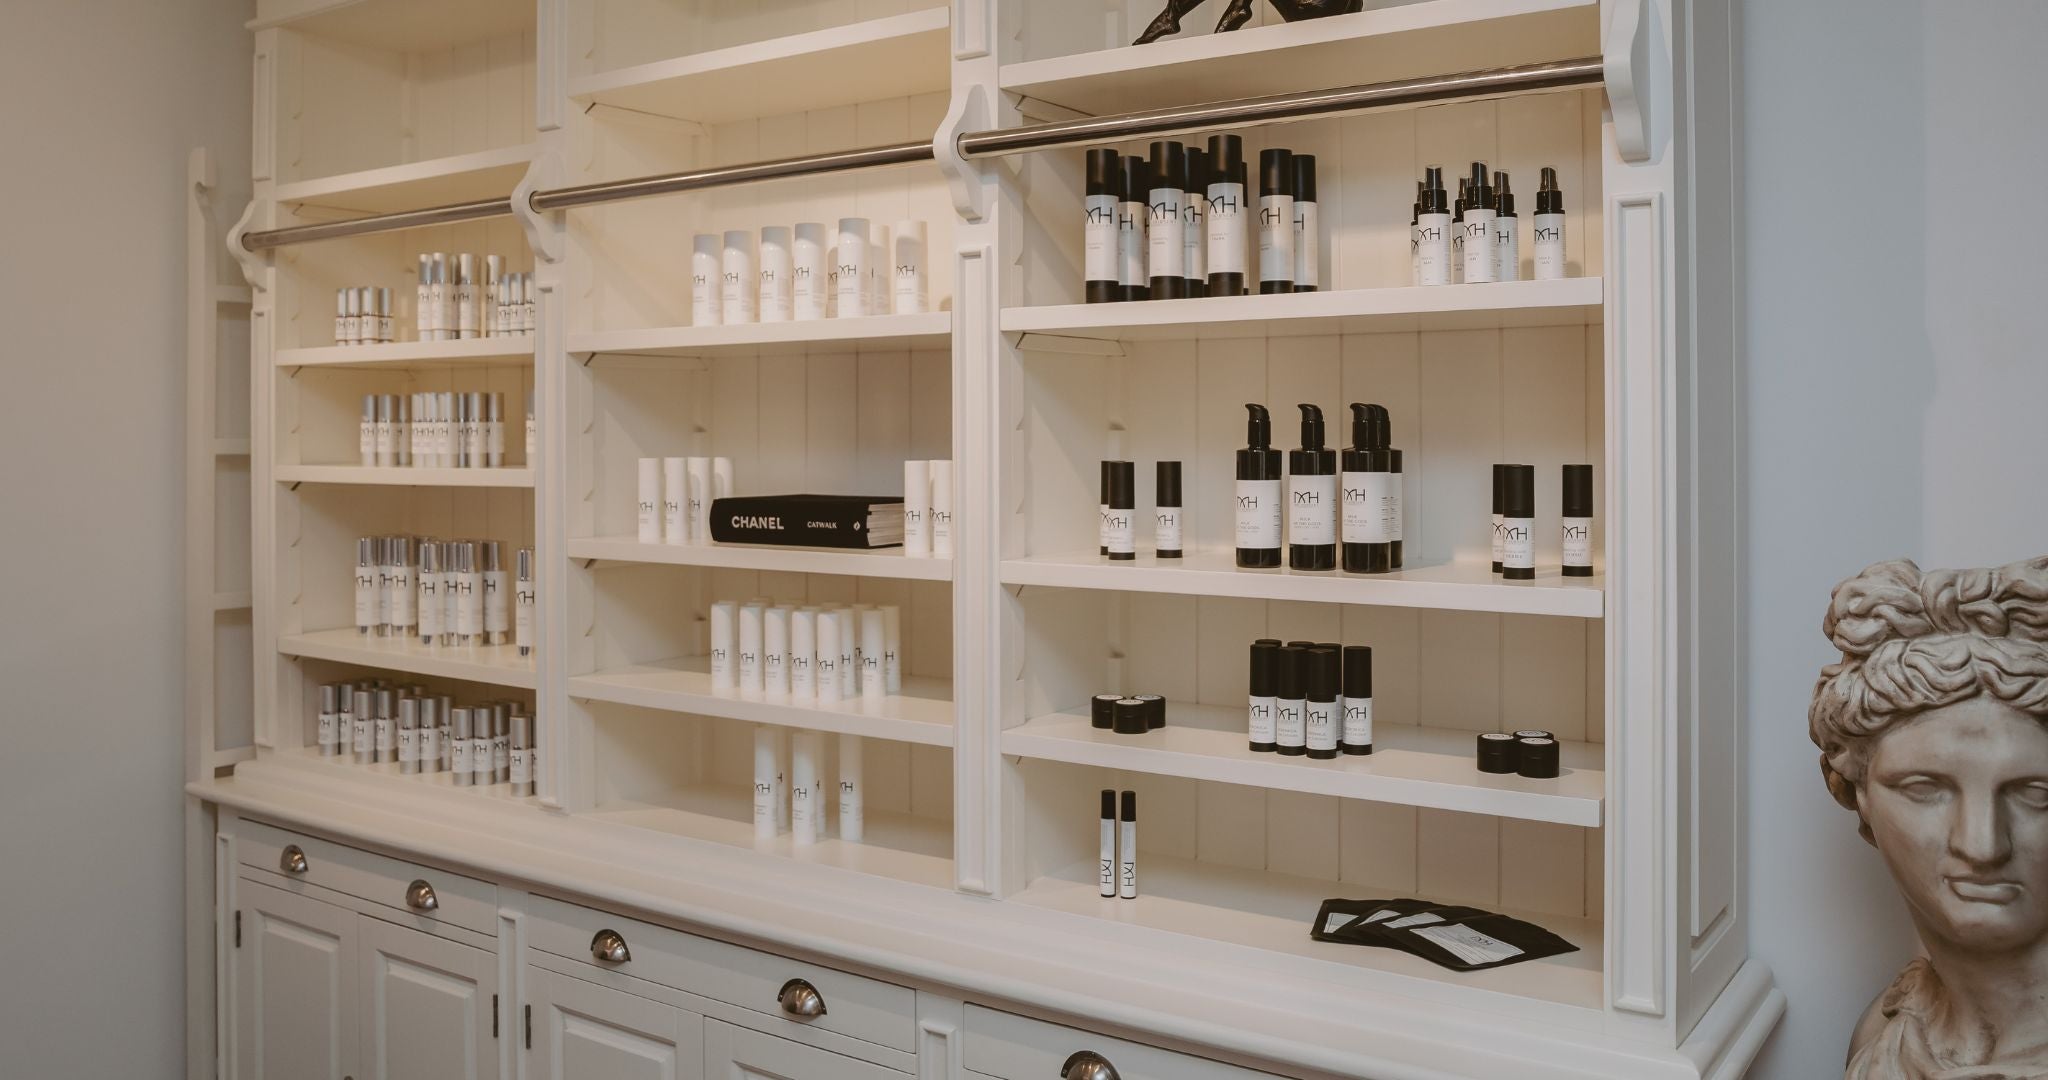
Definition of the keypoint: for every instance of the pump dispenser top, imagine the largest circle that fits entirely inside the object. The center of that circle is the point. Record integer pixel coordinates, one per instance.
(1370, 427)
(1434, 199)
(1504, 197)
(1479, 193)
(1258, 428)
(1549, 200)
(1311, 427)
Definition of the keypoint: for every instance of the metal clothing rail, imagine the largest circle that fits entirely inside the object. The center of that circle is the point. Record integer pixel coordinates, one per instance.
(1058, 134)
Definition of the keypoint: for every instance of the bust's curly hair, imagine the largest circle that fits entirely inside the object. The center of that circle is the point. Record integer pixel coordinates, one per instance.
(1914, 641)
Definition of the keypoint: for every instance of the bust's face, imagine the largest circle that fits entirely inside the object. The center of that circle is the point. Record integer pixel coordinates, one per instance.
(1957, 801)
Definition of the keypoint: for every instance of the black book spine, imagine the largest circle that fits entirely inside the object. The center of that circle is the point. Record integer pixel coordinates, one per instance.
(801, 522)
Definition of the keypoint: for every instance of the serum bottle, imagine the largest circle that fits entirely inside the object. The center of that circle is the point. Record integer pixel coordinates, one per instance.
(1578, 520)
(1433, 231)
(1372, 494)
(1549, 234)
(1127, 840)
(1480, 209)
(1357, 732)
(1518, 525)
(1265, 687)
(1308, 250)
(1119, 522)
(1107, 874)
(1276, 221)
(1166, 511)
(1507, 239)
(1500, 500)
(1320, 711)
(1226, 215)
(1195, 224)
(1312, 498)
(1258, 493)
(1167, 245)
(1099, 233)
(1130, 230)
(1290, 734)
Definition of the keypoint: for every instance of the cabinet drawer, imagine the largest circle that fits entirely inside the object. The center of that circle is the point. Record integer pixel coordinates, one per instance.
(1010, 1047)
(855, 1006)
(457, 900)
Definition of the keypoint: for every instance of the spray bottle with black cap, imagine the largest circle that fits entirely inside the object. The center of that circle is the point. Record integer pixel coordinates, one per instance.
(1130, 226)
(1507, 238)
(1372, 493)
(1458, 229)
(1258, 493)
(1415, 238)
(1480, 210)
(1549, 225)
(1227, 215)
(1312, 498)
(1276, 221)
(1105, 196)
(1167, 259)
(1433, 229)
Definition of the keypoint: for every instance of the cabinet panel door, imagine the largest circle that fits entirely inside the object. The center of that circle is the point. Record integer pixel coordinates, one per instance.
(737, 1053)
(583, 1031)
(426, 1006)
(295, 987)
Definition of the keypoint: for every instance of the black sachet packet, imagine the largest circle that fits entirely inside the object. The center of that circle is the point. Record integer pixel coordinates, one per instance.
(1450, 936)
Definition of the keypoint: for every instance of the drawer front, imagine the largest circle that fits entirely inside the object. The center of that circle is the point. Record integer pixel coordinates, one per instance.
(855, 1006)
(1010, 1047)
(456, 900)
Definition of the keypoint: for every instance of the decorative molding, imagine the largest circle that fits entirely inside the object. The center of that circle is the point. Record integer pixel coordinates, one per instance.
(970, 111)
(1627, 54)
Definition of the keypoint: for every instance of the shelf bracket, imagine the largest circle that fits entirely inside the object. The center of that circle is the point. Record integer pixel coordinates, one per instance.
(1627, 53)
(544, 231)
(969, 112)
(254, 264)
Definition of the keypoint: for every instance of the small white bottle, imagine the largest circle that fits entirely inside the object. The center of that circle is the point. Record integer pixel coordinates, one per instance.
(1276, 221)
(494, 430)
(387, 436)
(460, 745)
(405, 617)
(827, 668)
(942, 509)
(874, 683)
(1549, 229)
(852, 269)
(811, 285)
(401, 430)
(699, 469)
(912, 282)
(675, 501)
(738, 288)
(751, 681)
(892, 648)
(764, 782)
(648, 504)
(852, 804)
(529, 303)
(778, 268)
(1480, 210)
(804, 798)
(497, 595)
(524, 597)
(803, 655)
(917, 502)
(476, 444)
(775, 651)
(469, 593)
(706, 255)
(1433, 227)
(880, 251)
(341, 334)
(423, 308)
(725, 640)
(440, 299)
(487, 295)
(466, 326)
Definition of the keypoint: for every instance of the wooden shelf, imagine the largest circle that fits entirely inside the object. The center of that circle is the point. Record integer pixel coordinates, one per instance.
(485, 174)
(476, 351)
(870, 333)
(883, 563)
(922, 713)
(397, 477)
(1271, 912)
(1403, 41)
(912, 849)
(386, 775)
(1448, 587)
(1567, 302)
(396, 25)
(498, 665)
(230, 448)
(1430, 768)
(890, 57)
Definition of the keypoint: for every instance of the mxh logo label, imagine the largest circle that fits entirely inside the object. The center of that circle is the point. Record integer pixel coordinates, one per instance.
(732, 277)
(803, 272)
(1549, 233)
(746, 657)
(763, 788)
(1578, 532)
(1307, 498)
(907, 270)
(1354, 496)
(718, 655)
(1247, 502)
(1117, 521)
(912, 516)
(1273, 215)
(800, 661)
(699, 279)
(1516, 532)
(1262, 712)
(1164, 211)
(1228, 204)
(1102, 215)
(1429, 232)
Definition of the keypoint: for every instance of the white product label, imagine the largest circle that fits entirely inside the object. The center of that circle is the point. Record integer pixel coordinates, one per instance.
(1258, 513)
(1290, 722)
(1433, 249)
(494, 439)
(1578, 541)
(465, 310)
(384, 733)
(326, 739)
(404, 602)
(520, 765)
(469, 610)
(1423, 919)
(1500, 536)
(341, 334)
(1130, 243)
(1261, 720)
(1549, 237)
(522, 616)
(496, 583)
(532, 443)
(1168, 247)
(430, 606)
(1195, 236)
(1312, 509)
(1166, 528)
(1507, 249)
(501, 752)
(1320, 720)
(1478, 246)
(1357, 721)
(367, 443)
(430, 750)
(1100, 238)
(1276, 238)
(366, 597)
(1308, 248)
(424, 313)
(1119, 530)
(387, 441)
(1470, 945)
(408, 746)
(360, 738)
(1517, 545)
(1372, 507)
(1226, 228)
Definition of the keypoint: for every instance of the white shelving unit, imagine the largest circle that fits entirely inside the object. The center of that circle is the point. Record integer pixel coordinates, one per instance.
(983, 773)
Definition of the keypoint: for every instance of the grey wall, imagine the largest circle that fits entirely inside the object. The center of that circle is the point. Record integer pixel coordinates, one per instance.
(102, 101)
(1897, 405)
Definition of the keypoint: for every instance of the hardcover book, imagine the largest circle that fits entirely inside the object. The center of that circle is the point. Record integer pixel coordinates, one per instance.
(838, 521)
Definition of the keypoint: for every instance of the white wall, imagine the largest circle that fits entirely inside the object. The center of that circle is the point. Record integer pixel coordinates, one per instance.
(103, 99)
(1897, 393)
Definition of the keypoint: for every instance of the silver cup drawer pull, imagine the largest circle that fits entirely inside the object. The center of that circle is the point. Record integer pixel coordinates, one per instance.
(1088, 1065)
(610, 947)
(801, 1000)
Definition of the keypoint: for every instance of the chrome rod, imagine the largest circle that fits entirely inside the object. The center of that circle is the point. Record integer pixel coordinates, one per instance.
(873, 157)
(1282, 108)
(404, 219)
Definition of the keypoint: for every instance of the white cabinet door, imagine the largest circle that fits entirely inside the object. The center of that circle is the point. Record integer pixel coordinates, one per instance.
(427, 1006)
(295, 987)
(583, 1031)
(737, 1053)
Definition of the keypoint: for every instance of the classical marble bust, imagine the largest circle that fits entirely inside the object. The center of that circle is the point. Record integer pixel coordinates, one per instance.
(1933, 728)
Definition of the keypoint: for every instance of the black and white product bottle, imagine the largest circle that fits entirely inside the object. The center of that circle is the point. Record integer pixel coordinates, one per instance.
(1372, 494)
(1312, 498)
(1320, 710)
(1507, 237)
(1258, 493)
(1119, 523)
(1130, 230)
(1356, 736)
(1194, 231)
(1308, 246)
(1518, 525)
(1500, 505)
(1166, 511)
(1480, 210)
(1415, 238)
(1290, 702)
(1227, 215)
(1458, 231)
(1104, 202)
(1433, 231)
(1265, 686)
(1102, 524)
(1107, 873)
(1549, 226)
(1276, 221)
(1127, 848)
(1578, 520)
(1166, 239)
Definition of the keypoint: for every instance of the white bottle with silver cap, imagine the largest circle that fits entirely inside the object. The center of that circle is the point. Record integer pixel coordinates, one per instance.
(451, 594)
(526, 304)
(401, 430)
(367, 433)
(384, 322)
(362, 733)
(444, 429)
(387, 442)
(487, 294)
(469, 592)
(438, 300)
(404, 599)
(430, 735)
(460, 745)
(522, 624)
(497, 595)
(387, 727)
(381, 552)
(341, 334)
(482, 759)
(465, 297)
(344, 718)
(501, 743)
(366, 585)
(330, 710)
(409, 735)
(494, 430)
(521, 764)
(423, 307)
(476, 449)
(429, 596)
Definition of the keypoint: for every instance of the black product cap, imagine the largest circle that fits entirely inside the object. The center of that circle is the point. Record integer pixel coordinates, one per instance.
(1265, 668)
(1464, 195)
(1303, 644)
(1169, 165)
(1276, 172)
(1289, 675)
(1549, 200)
(1534, 733)
(1323, 673)
(1137, 178)
(1578, 491)
(1166, 485)
(1311, 427)
(1226, 154)
(1155, 710)
(1479, 196)
(1102, 710)
(1417, 212)
(1304, 178)
(1107, 468)
(1105, 175)
(1434, 199)
(1130, 716)
(1123, 485)
(1500, 486)
(1258, 428)
(1198, 171)
(1521, 500)
(1498, 753)
(1536, 758)
(1108, 804)
(1504, 198)
(1242, 176)
(1130, 806)
(1370, 426)
(1358, 671)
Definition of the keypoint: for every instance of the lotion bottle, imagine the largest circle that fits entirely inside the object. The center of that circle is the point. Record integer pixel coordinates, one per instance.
(1227, 215)
(1433, 231)
(1578, 521)
(1258, 493)
(1195, 224)
(1167, 246)
(778, 266)
(1549, 224)
(1372, 494)
(1290, 694)
(705, 270)
(1312, 498)
(1276, 221)
(812, 267)
(1357, 730)
(1518, 541)
(1265, 675)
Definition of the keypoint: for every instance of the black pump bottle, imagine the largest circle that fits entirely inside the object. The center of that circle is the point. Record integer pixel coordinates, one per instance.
(1258, 493)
